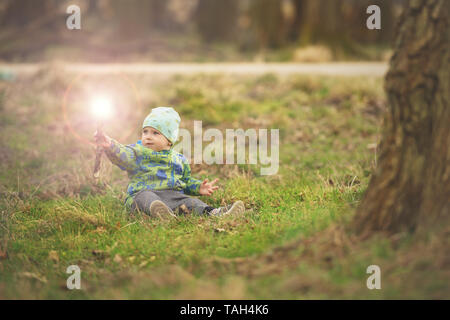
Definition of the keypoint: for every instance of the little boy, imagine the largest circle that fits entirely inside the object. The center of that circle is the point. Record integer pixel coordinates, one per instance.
(160, 178)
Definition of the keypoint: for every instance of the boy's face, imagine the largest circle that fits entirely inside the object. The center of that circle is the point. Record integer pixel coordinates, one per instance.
(155, 140)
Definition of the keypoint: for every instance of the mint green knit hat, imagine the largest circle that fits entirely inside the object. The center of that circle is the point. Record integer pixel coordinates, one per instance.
(166, 120)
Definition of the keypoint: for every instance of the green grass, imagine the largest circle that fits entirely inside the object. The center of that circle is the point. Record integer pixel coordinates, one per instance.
(54, 215)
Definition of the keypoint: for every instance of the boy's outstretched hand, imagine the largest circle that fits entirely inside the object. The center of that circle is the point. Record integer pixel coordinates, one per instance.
(102, 139)
(207, 188)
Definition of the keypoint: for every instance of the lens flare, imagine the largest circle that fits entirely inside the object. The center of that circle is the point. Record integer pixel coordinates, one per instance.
(68, 95)
(101, 108)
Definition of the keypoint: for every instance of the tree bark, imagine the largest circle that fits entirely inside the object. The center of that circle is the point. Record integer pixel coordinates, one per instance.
(410, 188)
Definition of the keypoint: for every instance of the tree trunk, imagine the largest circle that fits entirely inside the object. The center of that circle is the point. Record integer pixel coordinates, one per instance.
(267, 20)
(300, 16)
(216, 19)
(410, 189)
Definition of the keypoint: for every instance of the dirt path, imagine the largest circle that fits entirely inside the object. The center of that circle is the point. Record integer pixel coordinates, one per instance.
(376, 69)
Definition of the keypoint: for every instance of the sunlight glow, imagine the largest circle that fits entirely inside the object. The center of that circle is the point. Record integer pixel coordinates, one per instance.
(101, 107)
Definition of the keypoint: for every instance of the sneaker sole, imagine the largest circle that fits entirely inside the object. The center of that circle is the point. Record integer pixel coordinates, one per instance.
(237, 208)
(158, 209)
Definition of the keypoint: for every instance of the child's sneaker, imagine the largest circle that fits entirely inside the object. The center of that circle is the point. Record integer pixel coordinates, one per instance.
(158, 209)
(237, 208)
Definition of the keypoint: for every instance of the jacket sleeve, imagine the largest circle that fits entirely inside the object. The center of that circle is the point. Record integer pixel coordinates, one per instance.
(192, 185)
(122, 156)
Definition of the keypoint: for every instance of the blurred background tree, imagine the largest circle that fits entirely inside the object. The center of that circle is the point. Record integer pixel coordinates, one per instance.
(166, 30)
(267, 18)
(216, 20)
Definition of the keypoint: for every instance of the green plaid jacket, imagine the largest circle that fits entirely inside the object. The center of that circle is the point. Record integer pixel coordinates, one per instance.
(152, 170)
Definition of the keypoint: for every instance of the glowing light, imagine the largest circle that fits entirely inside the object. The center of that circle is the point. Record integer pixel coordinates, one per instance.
(101, 107)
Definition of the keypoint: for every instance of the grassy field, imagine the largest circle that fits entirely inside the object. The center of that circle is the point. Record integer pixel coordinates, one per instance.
(292, 242)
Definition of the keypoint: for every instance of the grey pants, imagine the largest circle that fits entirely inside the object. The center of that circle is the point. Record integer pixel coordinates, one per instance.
(172, 198)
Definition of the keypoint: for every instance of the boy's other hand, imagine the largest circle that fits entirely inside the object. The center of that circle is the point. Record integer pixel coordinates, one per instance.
(207, 188)
(101, 139)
